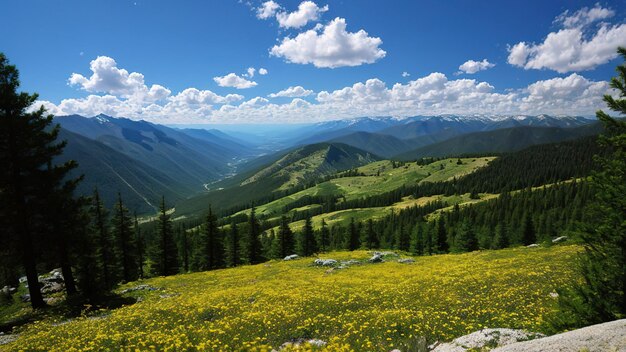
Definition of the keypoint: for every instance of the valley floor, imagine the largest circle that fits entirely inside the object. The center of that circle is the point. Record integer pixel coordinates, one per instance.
(364, 307)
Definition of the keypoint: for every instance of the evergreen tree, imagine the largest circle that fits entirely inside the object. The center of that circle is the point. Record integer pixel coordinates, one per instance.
(528, 231)
(403, 239)
(370, 240)
(601, 297)
(466, 240)
(125, 240)
(417, 239)
(185, 248)
(442, 237)
(251, 243)
(501, 239)
(164, 253)
(99, 228)
(323, 237)
(213, 244)
(232, 246)
(306, 244)
(141, 247)
(353, 236)
(285, 242)
(28, 145)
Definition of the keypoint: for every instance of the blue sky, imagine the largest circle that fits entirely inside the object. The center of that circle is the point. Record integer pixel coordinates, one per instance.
(180, 45)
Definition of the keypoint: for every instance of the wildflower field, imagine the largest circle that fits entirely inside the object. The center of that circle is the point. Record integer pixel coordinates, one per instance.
(365, 307)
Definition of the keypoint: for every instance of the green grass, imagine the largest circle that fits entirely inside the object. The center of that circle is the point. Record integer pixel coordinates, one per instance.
(380, 177)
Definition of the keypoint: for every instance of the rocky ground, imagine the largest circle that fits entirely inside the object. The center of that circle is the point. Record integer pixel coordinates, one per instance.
(607, 337)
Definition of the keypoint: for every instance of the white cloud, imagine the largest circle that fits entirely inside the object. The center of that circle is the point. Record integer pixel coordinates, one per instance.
(471, 66)
(106, 77)
(307, 11)
(575, 47)
(267, 10)
(263, 71)
(333, 47)
(250, 72)
(432, 94)
(292, 92)
(234, 81)
(405, 74)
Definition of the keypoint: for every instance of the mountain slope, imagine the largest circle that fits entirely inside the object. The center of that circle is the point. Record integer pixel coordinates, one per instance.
(111, 172)
(499, 141)
(190, 160)
(281, 175)
(379, 144)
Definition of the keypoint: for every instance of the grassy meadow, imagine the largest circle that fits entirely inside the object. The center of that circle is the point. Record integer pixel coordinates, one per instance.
(365, 307)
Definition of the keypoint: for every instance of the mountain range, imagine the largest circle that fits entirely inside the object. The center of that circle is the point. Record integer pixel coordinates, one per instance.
(144, 161)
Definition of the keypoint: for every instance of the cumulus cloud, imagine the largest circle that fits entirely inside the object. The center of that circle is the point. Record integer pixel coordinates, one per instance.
(333, 47)
(263, 71)
(471, 66)
(577, 46)
(267, 10)
(107, 78)
(405, 74)
(292, 92)
(432, 94)
(307, 11)
(234, 81)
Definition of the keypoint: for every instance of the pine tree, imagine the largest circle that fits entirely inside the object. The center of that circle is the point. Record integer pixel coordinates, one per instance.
(528, 231)
(370, 240)
(306, 244)
(601, 297)
(353, 236)
(417, 239)
(442, 237)
(28, 145)
(164, 253)
(501, 239)
(251, 243)
(125, 240)
(233, 253)
(323, 237)
(141, 247)
(285, 242)
(104, 242)
(185, 248)
(403, 239)
(213, 243)
(466, 240)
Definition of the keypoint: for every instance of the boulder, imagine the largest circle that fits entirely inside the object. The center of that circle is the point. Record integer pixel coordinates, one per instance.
(292, 257)
(376, 258)
(325, 262)
(485, 338)
(559, 239)
(25, 298)
(534, 245)
(143, 287)
(23, 279)
(406, 260)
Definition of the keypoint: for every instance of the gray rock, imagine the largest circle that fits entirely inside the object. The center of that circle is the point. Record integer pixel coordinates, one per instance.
(376, 258)
(609, 336)
(292, 257)
(485, 338)
(139, 288)
(350, 262)
(23, 279)
(559, 239)
(325, 262)
(534, 245)
(300, 342)
(51, 287)
(25, 298)
(7, 338)
(406, 260)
